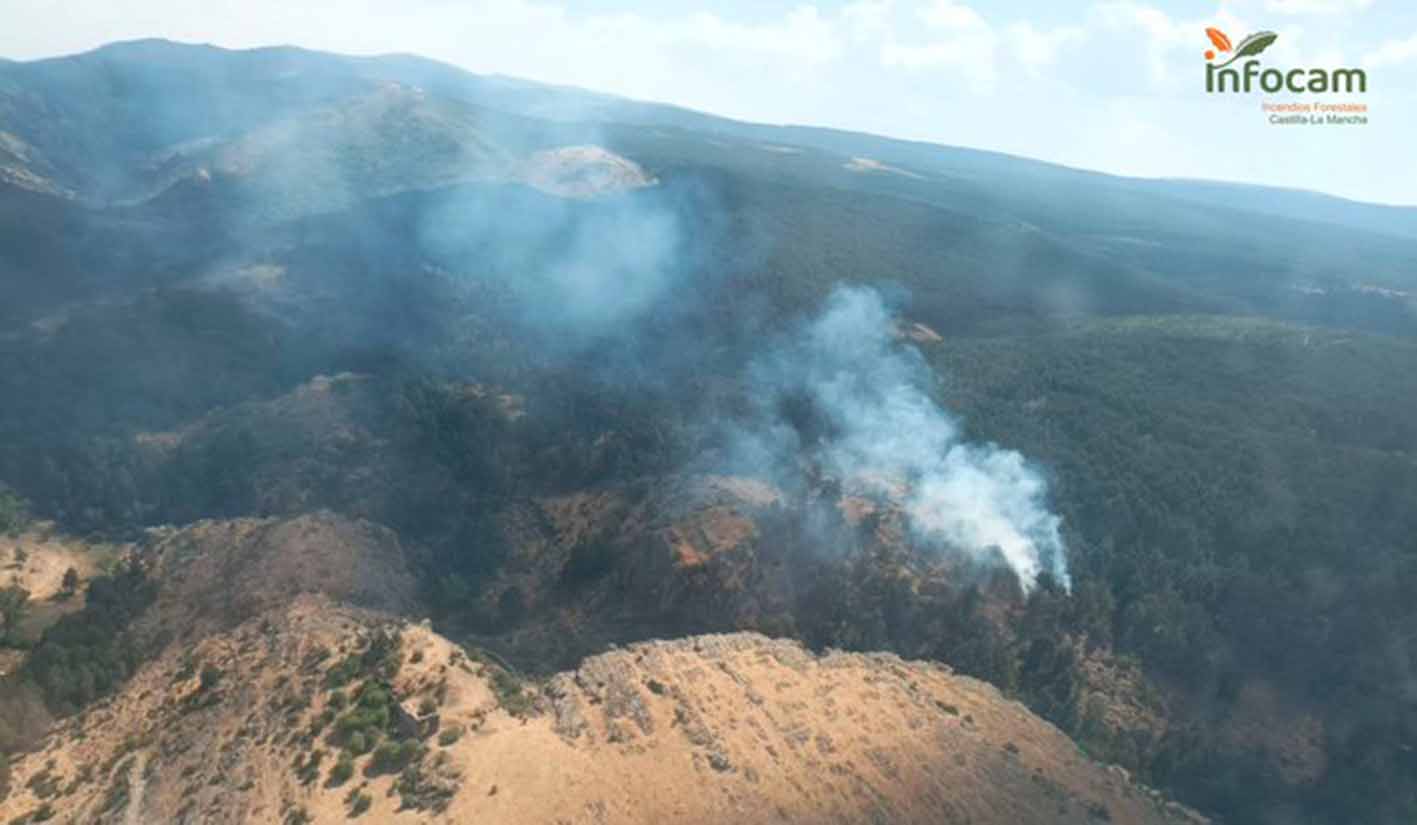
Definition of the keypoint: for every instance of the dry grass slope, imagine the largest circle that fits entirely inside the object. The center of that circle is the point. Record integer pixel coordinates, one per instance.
(246, 726)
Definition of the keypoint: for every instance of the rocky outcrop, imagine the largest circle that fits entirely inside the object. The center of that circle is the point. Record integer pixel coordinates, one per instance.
(252, 725)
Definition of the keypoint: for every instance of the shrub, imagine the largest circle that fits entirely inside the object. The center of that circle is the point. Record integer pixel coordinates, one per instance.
(380, 659)
(14, 606)
(363, 720)
(320, 722)
(210, 677)
(116, 799)
(306, 770)
(43, 784)
(393, 756)
(417, 792)
(342, 771)
(186, 671)
(358, 802)
(373, 696)
(69, 585)
(342, 673)
(514, 699)
(13, 512)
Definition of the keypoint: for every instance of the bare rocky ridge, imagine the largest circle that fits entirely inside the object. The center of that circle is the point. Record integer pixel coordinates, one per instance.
(249, 712)
(244, 727)
(584, 172)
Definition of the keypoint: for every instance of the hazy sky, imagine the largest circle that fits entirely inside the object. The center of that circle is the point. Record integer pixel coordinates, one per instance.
(1113, 85)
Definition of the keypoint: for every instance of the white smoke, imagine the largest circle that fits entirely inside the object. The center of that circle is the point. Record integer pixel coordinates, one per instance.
(878, 429)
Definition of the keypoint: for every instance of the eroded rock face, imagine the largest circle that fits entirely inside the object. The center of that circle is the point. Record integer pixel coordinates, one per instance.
(764, 725)
(250, 725)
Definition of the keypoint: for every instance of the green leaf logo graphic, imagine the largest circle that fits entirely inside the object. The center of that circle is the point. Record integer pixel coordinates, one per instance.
(1251, 46)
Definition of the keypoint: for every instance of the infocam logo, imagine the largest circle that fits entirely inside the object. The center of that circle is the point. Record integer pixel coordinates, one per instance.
(1220, 77)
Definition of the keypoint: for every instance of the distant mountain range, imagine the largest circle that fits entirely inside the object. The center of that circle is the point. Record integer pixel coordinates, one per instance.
(303, 132)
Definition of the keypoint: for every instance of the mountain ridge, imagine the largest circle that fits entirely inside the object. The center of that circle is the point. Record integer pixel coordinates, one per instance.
(446, 77)
(289, 679)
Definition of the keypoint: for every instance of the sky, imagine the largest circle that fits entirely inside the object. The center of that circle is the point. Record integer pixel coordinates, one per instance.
(1111, 85)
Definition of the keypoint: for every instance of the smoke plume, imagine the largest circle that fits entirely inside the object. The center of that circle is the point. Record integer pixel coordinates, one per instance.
(848, 396)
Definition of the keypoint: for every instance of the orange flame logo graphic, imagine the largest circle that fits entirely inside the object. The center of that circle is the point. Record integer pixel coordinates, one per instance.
(1219, 39)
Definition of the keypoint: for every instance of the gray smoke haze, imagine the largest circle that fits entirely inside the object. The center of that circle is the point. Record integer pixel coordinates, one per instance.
(871, 423)
(469, 261)
(569, 276)
(580, 268)
(841, 393)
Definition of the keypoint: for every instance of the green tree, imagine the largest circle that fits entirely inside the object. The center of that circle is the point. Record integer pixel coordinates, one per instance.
(14, 605)
(342, 771)
(13, 513)
(70, 584)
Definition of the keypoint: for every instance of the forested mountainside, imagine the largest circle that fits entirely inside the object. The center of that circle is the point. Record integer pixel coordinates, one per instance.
(590, 372)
